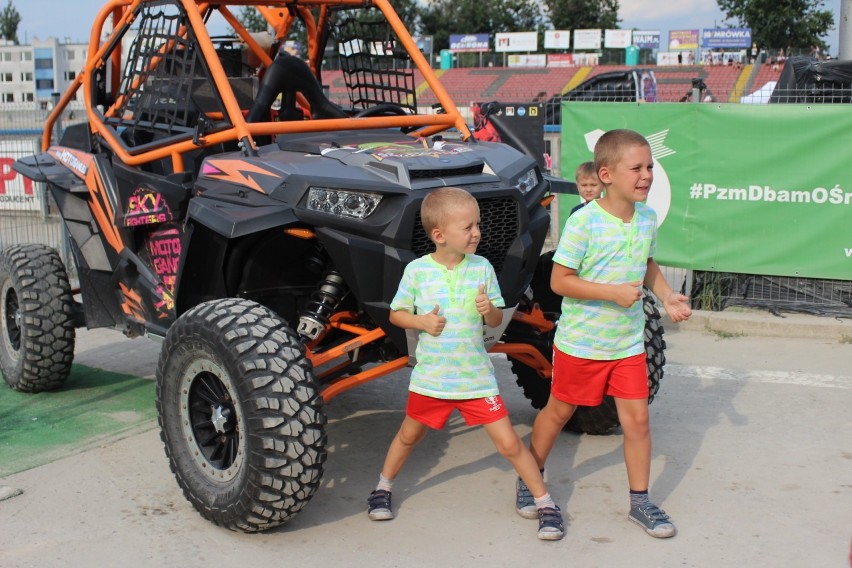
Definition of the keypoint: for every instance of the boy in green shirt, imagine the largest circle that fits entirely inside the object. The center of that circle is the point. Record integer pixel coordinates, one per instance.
(604, 256)
(446, 295)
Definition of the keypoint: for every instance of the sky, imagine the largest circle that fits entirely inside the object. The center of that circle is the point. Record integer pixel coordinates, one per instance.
(62, 19)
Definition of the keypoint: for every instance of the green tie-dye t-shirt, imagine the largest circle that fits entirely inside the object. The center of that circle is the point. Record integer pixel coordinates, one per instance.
(453, 365)
(604, 249)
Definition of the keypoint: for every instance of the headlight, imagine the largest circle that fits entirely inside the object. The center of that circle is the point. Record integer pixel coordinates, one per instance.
(344, 203)
(527, 181)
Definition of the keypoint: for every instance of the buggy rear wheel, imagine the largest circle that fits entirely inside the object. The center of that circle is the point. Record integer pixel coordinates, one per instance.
(601, 419)
(36, 319)
(240, 415)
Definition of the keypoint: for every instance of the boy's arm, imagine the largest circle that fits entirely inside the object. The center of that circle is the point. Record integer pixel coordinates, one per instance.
(565, 282)
(675, 304)
(432, 323)
(494, 317)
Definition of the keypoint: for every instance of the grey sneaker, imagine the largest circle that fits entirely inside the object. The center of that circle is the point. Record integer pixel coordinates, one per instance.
(524, 501)
(550, 525)
(379, 506)
(654, 520)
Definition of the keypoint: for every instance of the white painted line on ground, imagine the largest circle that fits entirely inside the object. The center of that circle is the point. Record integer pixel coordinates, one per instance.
(773, 377)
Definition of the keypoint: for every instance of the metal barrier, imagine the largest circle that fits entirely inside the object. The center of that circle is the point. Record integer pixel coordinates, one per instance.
(28, 215)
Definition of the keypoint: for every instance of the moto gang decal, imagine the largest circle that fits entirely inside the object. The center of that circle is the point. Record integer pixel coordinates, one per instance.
(164, 251)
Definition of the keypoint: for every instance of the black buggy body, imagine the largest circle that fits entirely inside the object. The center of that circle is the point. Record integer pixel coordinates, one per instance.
(215, 199)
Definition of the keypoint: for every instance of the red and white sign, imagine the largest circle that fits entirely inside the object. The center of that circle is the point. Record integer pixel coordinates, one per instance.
(618, 38)
(587, 39)
(516, 41)
(560, 60)
(557, 39)
(17, 193)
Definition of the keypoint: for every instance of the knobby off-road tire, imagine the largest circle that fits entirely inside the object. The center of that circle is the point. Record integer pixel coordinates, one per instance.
(601, 419)
(240, 415)
(36, 319)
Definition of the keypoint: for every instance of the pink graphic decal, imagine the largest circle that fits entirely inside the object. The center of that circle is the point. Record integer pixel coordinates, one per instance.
(164, 251)
(165, 304)
(146, 207)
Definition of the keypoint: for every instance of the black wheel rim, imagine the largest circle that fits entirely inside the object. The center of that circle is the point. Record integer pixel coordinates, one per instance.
(211, 420)
(12, 317)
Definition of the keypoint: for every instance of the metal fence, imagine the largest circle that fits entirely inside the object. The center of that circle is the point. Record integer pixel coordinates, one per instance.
(38, 221)
(27, 211)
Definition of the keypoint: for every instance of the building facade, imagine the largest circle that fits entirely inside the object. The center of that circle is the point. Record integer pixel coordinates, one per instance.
(33, 73)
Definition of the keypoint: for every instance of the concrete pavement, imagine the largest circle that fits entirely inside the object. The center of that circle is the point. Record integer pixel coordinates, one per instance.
(752, 458)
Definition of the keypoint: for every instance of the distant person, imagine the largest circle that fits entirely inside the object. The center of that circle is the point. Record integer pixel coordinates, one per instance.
(483, 129)
(589, 186)
(604, 256)
(446, 296)
(649, 88)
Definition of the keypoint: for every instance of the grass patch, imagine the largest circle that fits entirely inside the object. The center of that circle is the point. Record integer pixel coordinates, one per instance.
(722, 334)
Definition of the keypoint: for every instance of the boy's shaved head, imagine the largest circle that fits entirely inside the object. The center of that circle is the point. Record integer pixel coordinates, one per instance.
(436, 205)
(611, 146)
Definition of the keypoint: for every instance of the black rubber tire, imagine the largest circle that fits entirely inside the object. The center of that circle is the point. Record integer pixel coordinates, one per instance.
(240, 414)
(36, 319)
(597, 420)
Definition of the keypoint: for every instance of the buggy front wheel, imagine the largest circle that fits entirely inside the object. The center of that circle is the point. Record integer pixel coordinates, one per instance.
(240, 415)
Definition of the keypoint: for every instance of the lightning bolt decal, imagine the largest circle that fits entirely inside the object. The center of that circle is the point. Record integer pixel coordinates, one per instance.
(235, 171)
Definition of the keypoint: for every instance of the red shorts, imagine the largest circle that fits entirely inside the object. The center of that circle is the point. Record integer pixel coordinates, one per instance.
(434, 412)
(584, 382)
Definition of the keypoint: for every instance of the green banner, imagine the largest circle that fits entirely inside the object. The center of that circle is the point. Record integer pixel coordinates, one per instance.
(755, 189)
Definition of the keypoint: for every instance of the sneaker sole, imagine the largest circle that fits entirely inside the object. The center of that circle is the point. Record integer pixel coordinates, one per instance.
(550, 535)
(660, 534)
(531, 513)
(380, 515)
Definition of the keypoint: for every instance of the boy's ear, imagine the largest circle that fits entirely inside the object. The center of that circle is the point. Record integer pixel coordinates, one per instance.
(604, 176)
(437, 236)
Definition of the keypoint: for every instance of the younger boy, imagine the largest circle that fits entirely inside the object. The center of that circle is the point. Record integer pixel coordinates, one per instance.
(603, 257)
(589, 186)
(446, 295)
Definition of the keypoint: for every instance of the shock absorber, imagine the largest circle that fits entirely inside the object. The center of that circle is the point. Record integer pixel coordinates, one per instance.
(314, 319)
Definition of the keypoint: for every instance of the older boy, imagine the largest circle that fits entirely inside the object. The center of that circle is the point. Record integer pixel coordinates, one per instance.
(446, 295)
(603, 257)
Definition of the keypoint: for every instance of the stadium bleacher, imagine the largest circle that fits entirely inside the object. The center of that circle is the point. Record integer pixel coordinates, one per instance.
(763, 76)
(473, 84)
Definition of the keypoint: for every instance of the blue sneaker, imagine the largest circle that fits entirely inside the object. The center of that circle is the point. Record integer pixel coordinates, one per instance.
(654, 520)
(379, 505)
(524, 501)
(550, 526)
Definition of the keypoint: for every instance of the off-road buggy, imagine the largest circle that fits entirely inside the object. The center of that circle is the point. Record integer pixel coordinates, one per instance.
(217, 200)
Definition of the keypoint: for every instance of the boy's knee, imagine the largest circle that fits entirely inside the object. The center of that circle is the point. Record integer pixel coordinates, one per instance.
(635, 424)
(410, 436)
(559, 411)
(509, 447)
